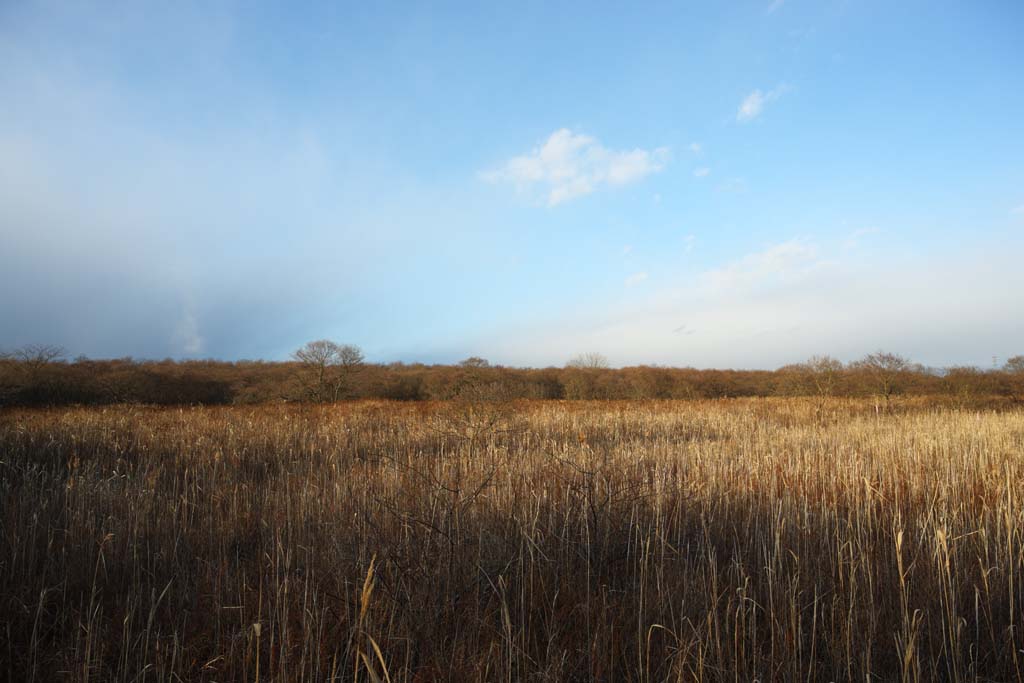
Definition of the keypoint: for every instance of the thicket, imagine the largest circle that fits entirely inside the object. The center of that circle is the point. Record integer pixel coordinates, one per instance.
(96, 382)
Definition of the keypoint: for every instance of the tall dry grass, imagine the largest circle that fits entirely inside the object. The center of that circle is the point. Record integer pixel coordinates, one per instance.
(739, 540)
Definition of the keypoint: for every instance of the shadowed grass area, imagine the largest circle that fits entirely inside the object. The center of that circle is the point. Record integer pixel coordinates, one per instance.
(770, 539)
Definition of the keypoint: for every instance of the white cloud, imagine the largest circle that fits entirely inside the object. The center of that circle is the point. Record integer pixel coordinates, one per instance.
(570, 165)
(701, 172)
(753, 104)
(688, 243)
(635, 279)
(776, 4)
(696, 148)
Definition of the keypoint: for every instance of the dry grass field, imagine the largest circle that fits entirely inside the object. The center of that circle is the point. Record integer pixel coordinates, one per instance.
(739, 540)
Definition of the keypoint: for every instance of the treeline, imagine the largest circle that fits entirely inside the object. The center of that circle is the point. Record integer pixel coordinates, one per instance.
(35, 378)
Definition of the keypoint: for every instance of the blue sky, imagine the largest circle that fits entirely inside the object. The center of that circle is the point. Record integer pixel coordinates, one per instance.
(710, 184)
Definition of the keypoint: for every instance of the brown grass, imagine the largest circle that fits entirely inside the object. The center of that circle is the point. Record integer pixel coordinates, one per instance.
(764, 539)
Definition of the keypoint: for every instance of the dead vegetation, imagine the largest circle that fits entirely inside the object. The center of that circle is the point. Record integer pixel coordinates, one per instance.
(755, 539)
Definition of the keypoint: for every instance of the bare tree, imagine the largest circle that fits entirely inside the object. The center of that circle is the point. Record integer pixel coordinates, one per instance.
(35, 356)
(1014, 369)
(583, 379)
(476, 382)
(8, 385)
(885, 370)
(328, 368)
(964, 383)
(824, 372)
(481, 403)
(26, 367)
(588, 361)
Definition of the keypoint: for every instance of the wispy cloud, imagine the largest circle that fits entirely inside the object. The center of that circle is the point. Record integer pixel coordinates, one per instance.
(782, 262)
(788, 301)
(732, 185)
(635, 279)
(571, 165)
(1018, 210)
(187, 333)
(754, 103)
(696, 147)
(775, 4)
(701, 172)
(854, 238)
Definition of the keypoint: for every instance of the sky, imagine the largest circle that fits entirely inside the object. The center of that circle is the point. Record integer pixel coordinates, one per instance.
(708, 184)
